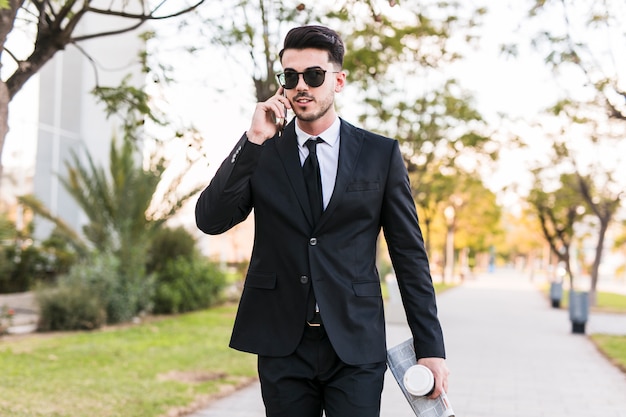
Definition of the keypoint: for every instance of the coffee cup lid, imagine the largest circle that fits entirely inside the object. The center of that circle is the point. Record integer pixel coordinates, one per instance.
(418, 380)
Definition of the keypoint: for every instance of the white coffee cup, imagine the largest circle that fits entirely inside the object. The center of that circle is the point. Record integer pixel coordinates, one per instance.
(419, 381)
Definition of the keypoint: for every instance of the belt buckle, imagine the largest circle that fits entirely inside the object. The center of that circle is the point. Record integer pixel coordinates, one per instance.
(316, 321)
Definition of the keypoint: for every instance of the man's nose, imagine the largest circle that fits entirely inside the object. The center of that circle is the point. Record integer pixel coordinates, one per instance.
(302, 85)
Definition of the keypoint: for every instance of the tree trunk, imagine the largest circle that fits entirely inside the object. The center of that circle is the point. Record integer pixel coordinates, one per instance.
(595, 267)
(7, 18)
(427, 236)
(4, 120)
(566, 259)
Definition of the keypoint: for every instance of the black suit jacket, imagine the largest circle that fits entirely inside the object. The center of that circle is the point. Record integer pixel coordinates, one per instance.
(337, 256)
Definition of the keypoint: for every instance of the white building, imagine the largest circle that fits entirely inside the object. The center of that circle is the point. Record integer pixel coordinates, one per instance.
(70, 119)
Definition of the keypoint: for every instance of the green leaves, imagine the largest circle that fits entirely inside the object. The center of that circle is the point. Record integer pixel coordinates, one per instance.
(130, 102)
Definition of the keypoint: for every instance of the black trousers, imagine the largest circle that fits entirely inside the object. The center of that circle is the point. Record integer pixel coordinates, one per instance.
(313, 379)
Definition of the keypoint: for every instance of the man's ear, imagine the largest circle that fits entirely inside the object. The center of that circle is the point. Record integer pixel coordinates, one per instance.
(340, 81)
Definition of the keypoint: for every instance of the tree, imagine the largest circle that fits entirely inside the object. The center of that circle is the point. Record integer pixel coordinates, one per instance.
(123, 205)
(473, 234)
(431, 190)
(480, 232)
(586, 145)
(558, 211)
(54, 25)
(399, 65)
(523, 238)
(583, 42)
(597, 177)
(585, 39)
(604, 204)
(587, 154)
(448, 200)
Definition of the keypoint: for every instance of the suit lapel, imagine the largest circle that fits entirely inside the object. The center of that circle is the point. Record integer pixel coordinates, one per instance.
(287, 146)
(350, 144)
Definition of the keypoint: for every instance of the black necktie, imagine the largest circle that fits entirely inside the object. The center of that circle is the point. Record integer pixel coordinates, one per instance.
(313, 180)
(312, 177)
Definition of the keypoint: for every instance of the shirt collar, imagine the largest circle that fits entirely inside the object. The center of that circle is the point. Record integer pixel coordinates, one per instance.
(330, 136)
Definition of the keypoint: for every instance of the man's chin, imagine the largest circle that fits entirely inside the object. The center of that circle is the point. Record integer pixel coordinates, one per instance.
(306, 116)
(310, 116)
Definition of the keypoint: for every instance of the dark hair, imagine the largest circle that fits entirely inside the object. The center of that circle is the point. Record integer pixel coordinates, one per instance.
(318, 37)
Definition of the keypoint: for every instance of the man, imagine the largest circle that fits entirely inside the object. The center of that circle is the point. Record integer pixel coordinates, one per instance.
(311, 307)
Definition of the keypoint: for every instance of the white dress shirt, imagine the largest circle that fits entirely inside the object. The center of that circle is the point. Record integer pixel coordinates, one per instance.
(327, 155)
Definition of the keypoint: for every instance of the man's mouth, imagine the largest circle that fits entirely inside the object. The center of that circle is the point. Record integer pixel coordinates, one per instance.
(303, 99)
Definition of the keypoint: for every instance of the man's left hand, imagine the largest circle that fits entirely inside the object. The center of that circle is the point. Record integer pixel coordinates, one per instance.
(440, 371)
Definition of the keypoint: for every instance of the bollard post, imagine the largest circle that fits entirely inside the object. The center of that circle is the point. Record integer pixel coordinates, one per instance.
(556, 294)
(578, 311)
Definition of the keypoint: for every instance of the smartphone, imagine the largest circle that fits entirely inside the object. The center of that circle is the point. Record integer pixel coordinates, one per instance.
(282, 127)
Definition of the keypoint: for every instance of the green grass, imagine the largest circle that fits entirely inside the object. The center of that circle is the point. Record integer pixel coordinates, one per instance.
(612, 302)
(133, 371)
(614, 347)
(439, 287)
(607, 302)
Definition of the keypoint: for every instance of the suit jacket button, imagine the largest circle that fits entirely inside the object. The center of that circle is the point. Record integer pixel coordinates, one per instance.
(304, 279)
(313, 241)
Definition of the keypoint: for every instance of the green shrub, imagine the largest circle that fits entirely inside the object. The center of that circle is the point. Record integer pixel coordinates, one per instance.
(61, 254)
(94, 292)
(131, 294)
(23, 264)
(169, 244)
(185, 285)
(69, 308)
(123, 295)
(6, 266)
(28, 266)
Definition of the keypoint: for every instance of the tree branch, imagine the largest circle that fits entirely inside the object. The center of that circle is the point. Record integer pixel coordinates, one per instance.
(140, 18)
(150, 16)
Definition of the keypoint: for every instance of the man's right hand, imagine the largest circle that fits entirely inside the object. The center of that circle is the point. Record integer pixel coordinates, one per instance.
(269, 116)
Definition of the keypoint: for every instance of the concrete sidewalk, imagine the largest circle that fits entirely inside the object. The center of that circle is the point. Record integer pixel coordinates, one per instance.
(510, 355)
(25, 309)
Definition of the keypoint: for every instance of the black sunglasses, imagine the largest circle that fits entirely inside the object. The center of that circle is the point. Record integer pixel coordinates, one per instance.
(314, 77)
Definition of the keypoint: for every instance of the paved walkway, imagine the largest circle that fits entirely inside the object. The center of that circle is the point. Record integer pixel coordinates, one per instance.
(25, 309)
(510, 353)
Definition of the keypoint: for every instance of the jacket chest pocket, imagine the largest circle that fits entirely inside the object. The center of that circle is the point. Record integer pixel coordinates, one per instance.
(361, 186)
